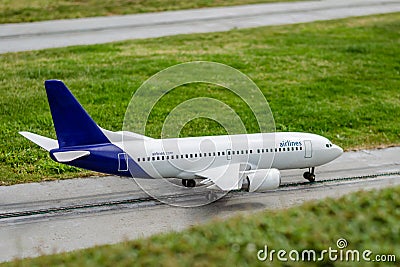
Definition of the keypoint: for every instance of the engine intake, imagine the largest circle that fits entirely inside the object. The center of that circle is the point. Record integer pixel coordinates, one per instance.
(262, 180)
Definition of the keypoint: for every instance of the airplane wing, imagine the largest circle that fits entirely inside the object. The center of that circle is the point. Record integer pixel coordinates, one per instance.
(225, 178)
(44, 142)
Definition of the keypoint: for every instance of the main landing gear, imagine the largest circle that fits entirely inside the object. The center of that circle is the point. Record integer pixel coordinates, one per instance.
(310, 175)
(188, 182)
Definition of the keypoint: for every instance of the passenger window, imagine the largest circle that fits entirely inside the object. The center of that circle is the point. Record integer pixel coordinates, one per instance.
(138, 159)
(158, 157)
(258, 150)
(148, 158)
(154, 158)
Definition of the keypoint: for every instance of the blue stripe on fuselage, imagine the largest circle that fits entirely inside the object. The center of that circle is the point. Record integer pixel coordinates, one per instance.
(103, 158)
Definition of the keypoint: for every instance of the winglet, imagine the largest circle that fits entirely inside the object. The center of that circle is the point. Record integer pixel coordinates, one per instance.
(44, 142)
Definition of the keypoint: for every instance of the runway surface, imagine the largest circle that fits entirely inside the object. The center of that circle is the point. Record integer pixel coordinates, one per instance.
(93, 221)
(60, 33)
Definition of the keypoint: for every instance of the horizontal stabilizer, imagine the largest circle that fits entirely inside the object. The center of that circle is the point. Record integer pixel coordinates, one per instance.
(70, 155)
(44, 142)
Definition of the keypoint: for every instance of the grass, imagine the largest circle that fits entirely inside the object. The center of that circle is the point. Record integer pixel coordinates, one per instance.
(339, 79)
(367, 220)
(15, 11)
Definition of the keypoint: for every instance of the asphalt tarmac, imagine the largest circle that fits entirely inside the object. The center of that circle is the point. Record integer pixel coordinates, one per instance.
(28, 236)
(61, 33)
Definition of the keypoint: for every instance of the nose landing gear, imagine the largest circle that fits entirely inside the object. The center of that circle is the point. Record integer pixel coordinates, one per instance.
(310, 175)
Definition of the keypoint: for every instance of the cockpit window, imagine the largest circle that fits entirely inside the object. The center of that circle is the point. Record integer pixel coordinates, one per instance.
(328, 145)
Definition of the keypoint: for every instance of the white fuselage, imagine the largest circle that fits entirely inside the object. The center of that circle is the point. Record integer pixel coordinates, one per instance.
(186, 157)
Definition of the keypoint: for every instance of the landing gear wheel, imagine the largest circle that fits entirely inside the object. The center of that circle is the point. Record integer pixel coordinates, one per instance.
(188, 182)
(310, 175)
(184, 182)
(191, 183)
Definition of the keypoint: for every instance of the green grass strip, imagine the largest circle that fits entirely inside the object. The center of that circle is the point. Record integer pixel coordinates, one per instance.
(339, 79)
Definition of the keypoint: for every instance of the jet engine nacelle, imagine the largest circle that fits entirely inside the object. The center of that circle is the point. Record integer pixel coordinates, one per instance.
(263, 180)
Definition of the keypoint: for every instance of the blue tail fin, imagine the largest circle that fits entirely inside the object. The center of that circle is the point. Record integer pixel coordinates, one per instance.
(73, 125)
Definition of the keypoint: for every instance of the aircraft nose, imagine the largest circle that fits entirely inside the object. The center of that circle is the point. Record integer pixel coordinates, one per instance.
(337, 150)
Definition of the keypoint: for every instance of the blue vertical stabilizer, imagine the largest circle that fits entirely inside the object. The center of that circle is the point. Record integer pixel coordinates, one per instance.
(73, 125)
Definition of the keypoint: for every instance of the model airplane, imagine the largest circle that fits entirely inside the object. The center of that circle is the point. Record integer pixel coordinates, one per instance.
(228, 162)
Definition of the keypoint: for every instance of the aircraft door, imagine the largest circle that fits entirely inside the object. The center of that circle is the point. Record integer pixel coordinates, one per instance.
(307, 149)
(122, 162)
(228, 154)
